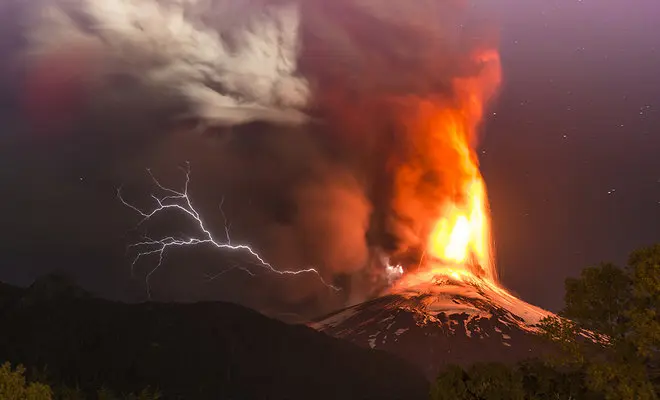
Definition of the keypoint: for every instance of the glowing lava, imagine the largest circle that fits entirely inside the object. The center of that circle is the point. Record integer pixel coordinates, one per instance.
(442, 190)
(462, 235)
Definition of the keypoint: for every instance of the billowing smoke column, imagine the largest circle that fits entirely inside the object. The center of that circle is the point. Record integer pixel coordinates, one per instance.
(408, 83)
(371, 110)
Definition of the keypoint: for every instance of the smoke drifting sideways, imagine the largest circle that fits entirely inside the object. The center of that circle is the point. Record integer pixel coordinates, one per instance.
(309, 96)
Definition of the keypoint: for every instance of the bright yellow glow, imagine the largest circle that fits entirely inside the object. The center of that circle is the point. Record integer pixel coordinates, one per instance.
(462, 234)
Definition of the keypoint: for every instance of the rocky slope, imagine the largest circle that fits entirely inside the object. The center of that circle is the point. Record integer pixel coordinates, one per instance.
(447, 321)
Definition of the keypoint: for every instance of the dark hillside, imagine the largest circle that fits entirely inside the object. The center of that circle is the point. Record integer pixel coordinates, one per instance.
(189, 351)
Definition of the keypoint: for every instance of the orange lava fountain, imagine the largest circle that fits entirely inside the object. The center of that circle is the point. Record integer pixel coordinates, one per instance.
(455, 231)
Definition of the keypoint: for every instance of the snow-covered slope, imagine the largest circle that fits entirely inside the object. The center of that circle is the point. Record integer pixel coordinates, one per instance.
(447, 321)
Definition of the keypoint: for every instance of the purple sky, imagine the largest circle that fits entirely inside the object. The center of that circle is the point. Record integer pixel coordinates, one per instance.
(572, 145)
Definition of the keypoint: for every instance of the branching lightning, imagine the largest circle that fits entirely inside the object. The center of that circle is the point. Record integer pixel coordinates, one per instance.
(179, 201)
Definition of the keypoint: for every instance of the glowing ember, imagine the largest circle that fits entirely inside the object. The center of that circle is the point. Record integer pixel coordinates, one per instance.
(454, 230)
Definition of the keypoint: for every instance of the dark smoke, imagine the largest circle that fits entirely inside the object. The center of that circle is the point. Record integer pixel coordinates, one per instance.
(298, 101)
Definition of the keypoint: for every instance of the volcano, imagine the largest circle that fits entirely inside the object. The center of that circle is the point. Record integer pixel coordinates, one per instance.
(443, 321)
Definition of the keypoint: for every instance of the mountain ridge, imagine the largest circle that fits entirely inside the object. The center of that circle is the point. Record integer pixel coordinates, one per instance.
(209, 350)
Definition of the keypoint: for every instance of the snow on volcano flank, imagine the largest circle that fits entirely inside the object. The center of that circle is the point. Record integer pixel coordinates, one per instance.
(443, 321)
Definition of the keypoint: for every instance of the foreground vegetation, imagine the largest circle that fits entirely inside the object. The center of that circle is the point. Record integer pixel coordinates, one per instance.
(14, 386)
(609, 336)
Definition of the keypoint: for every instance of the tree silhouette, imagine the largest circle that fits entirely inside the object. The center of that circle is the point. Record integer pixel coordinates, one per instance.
(492, 381)
(610, 326)
(13, 385)
(608, 336)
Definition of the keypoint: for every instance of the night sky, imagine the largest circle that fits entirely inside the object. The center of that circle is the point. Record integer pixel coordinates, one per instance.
(571, 148)
(570, 155)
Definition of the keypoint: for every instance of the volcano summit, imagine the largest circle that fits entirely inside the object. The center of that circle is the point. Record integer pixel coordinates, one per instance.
(442, 321)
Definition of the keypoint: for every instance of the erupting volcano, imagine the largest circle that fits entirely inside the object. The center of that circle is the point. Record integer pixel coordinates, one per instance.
(449, 306)
(441, 188)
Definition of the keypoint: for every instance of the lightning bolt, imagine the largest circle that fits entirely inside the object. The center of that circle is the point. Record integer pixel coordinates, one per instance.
(179, 201)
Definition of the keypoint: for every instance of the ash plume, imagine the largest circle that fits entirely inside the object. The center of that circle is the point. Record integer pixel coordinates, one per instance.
(397, 69)
(226, 62)
(311, 97)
